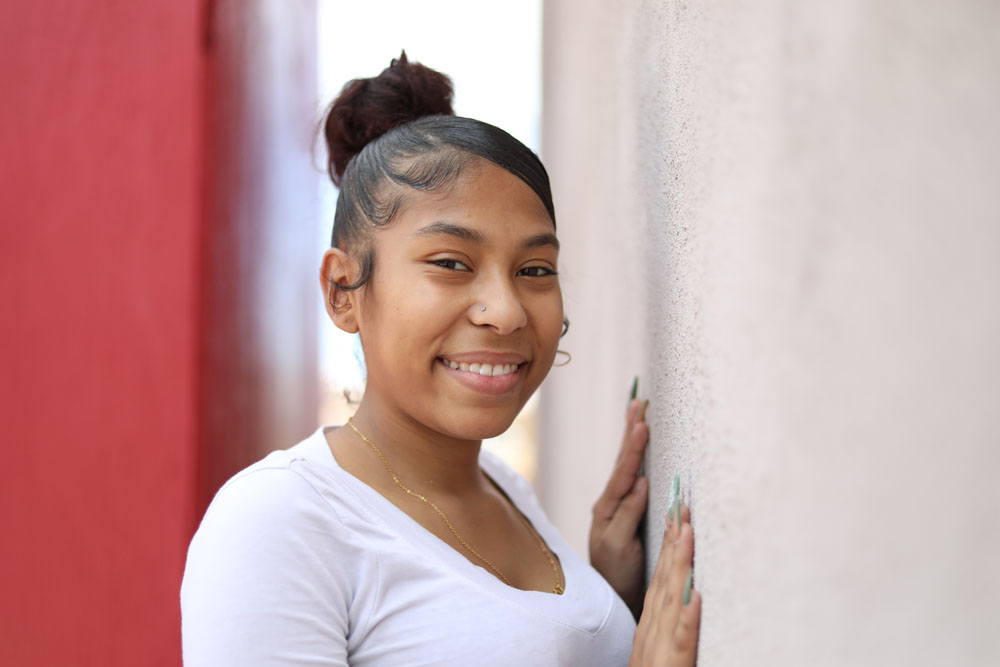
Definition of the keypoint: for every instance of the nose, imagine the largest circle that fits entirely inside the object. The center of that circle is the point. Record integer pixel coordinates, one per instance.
(497, 304)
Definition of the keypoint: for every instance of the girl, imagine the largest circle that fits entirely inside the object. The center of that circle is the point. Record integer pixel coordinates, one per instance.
(394, 539)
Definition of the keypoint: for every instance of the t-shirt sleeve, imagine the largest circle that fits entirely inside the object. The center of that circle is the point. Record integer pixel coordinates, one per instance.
(267, 580)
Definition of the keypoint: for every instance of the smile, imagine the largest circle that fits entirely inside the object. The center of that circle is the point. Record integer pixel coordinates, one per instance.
(488, 370)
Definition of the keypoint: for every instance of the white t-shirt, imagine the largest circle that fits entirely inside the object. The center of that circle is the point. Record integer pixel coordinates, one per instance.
(297, 562)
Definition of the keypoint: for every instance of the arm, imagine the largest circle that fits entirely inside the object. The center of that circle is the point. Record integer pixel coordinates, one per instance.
(265, 583)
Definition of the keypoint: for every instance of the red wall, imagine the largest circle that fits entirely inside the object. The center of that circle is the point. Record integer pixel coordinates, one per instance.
(100, 137)
(158, 327)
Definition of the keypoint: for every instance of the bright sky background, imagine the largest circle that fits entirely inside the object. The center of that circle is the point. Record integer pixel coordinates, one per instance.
(491, 51)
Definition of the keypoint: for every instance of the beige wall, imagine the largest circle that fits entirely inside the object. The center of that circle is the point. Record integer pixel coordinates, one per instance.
(784, 217)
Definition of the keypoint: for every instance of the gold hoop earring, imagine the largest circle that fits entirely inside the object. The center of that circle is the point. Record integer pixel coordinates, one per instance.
(569, 358)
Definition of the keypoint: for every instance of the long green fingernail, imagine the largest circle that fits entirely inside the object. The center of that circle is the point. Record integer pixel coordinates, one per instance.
(687, 586)
(635, 389)
(642, 412)
(675, 514)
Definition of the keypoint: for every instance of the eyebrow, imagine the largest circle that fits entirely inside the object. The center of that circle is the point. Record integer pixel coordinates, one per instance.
(451, 229)
(539, 240)
(474, 236)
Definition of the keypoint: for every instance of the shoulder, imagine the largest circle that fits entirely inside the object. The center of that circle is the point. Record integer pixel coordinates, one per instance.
(263, 503)
(271, 525)
(288, 501)
(271, 567)
(275, 493)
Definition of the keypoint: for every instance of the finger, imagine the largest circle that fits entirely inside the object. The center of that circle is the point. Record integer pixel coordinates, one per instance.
(624, 524)
(661, 573)
(685, 639)
(668, 600)
(685, 513)
(631, 417)
(651, 621)
(624, 474)
(633, 449)
(680, 552)
(658, 580)
(632, 411)
(683, 556)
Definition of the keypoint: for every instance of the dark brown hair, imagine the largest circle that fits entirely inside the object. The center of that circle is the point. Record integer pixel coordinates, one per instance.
(395, 133)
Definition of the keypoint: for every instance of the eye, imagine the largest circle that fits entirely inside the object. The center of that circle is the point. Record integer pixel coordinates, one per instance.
(536, 271)
(450, 264)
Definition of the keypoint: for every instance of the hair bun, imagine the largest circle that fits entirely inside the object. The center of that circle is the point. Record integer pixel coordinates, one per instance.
(368, 108)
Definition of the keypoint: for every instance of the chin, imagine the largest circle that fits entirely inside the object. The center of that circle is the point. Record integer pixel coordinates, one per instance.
(480, 427)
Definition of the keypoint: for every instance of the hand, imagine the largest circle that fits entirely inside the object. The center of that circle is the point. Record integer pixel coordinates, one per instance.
(667, 634)
(616, 550)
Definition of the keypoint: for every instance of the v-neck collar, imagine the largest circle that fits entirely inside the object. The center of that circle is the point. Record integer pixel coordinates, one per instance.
(561, 608)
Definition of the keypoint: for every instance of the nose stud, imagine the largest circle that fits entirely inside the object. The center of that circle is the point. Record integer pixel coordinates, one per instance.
(482, 308)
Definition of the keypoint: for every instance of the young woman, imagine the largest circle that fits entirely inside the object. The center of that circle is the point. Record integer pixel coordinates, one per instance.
(394, 539)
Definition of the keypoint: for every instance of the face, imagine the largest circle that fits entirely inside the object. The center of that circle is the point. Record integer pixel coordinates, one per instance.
(434, 355)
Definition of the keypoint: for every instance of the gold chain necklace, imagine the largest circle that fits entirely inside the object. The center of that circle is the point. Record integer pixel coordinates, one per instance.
(557, 588)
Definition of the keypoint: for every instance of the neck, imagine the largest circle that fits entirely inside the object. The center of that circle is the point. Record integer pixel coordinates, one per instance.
(423, 459)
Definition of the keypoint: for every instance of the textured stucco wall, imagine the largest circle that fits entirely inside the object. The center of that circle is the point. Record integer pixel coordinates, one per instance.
(785, 217)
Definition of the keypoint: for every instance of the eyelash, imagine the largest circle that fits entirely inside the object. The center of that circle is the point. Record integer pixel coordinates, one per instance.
(545, 271)
(450, 264)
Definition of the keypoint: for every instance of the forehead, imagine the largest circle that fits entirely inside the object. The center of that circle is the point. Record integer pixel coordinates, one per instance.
(484, 197)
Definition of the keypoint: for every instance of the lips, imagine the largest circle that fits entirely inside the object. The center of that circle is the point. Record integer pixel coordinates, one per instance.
(490, 373)
(481, 367)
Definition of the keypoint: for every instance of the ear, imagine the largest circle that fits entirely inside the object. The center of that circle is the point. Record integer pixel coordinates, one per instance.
(338, 269)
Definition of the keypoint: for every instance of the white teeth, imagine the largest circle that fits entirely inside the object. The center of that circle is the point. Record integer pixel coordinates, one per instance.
(486, 370)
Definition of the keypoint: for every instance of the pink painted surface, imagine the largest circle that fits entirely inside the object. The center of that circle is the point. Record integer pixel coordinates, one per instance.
(784, 219)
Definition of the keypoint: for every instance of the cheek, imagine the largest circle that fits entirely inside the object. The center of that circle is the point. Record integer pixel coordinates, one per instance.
(410, 323)
(550, 321)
